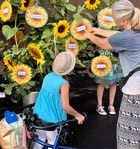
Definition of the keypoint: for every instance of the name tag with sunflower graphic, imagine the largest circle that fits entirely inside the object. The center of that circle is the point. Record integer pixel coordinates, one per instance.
(21, 73)
(101, 66)
(36, 16)
(6, 10)
(108, 18)
(72, 46)
(81, 28)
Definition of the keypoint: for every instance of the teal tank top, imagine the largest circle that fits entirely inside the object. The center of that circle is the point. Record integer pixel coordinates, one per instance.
(48, 105)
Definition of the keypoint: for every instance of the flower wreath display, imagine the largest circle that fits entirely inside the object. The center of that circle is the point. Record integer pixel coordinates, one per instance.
(21, 74)
(36, 16)
(101, 66)
(72, 45)
(5, 11)
(105, 19)
(78, 28)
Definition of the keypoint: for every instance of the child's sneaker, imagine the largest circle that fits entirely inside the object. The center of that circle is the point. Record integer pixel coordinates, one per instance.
(101, 110)
(111, 110)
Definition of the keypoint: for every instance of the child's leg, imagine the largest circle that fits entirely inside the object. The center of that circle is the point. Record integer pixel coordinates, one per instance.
(51, 135)
(100, 92)
(112, 92)
(42, 136)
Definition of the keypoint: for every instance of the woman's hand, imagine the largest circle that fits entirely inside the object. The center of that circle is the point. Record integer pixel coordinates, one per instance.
(80, 118)
(87, 34)
(96, 31)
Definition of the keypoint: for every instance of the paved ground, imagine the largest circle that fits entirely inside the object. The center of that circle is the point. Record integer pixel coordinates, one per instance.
(98, 132)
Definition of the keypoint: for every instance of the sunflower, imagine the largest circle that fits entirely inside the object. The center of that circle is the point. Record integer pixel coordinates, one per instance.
(9, 63)
(72, 45)
(101, 66)
(105, 19)
(92, 4)
(61, 29)
(25, 4)
(78, 28)
(5, 11)
(36, 52)
(36, 16)
(21, 74)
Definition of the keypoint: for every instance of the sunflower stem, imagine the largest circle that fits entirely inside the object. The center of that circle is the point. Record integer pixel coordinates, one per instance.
(16, 34)
(55, 48)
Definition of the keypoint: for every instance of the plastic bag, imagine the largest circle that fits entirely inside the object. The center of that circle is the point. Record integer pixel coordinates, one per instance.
(8, 135)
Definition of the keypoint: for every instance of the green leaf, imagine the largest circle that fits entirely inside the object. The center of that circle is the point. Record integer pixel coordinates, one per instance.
(63, 1)
(51, 53)
(77, 17)
(80, 9)
(46, 33)
(34, 37)
(91, 75)
(8, 32)
(70, 7)
(89, 15)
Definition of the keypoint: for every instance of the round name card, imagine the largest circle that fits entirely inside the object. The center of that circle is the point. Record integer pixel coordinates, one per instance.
(105, 19)
(36, 16)
(101, 66)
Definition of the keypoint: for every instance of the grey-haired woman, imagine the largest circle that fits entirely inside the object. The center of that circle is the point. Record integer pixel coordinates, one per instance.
(127, 44)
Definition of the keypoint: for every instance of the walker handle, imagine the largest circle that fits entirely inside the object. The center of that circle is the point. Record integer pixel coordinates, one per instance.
(54, 125)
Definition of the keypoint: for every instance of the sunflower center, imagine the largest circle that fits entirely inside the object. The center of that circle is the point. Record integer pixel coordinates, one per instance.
(61, 28)
(10, 63)
(92, 2)
(26, 4)
(36, 54)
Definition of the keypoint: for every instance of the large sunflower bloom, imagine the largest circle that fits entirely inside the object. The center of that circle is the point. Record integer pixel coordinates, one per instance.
(61, 29)
(72, 45)
(5, 11)
(92, 4)
(105, 19)
(78, 28)
(9, 63)
(36, 53)
(21, 74)
(25, 4)
(36, 16)
(101, 66)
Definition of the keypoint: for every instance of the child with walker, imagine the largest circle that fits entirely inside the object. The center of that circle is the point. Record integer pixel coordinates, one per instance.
(52, 103)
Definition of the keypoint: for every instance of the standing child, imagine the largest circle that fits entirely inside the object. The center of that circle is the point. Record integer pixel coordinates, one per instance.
(52, 104)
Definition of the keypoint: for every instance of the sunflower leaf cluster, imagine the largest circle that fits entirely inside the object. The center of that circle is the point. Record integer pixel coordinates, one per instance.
(33, 32)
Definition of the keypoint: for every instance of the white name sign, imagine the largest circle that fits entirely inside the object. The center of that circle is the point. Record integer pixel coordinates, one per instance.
(36, 16)
(5, 10)
(21, 73)
(101, 66)
(81, 28)
(72, 46)
(108, 18)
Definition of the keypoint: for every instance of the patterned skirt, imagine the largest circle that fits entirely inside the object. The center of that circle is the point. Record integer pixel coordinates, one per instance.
(128, 126)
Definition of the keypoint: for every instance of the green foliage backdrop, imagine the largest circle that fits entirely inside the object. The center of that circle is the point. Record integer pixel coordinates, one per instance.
(16, 35)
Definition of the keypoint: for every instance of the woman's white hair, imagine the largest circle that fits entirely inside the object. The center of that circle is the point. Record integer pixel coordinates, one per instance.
(125, 9)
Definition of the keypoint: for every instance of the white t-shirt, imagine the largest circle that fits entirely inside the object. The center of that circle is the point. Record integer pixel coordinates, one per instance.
(132, 87)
